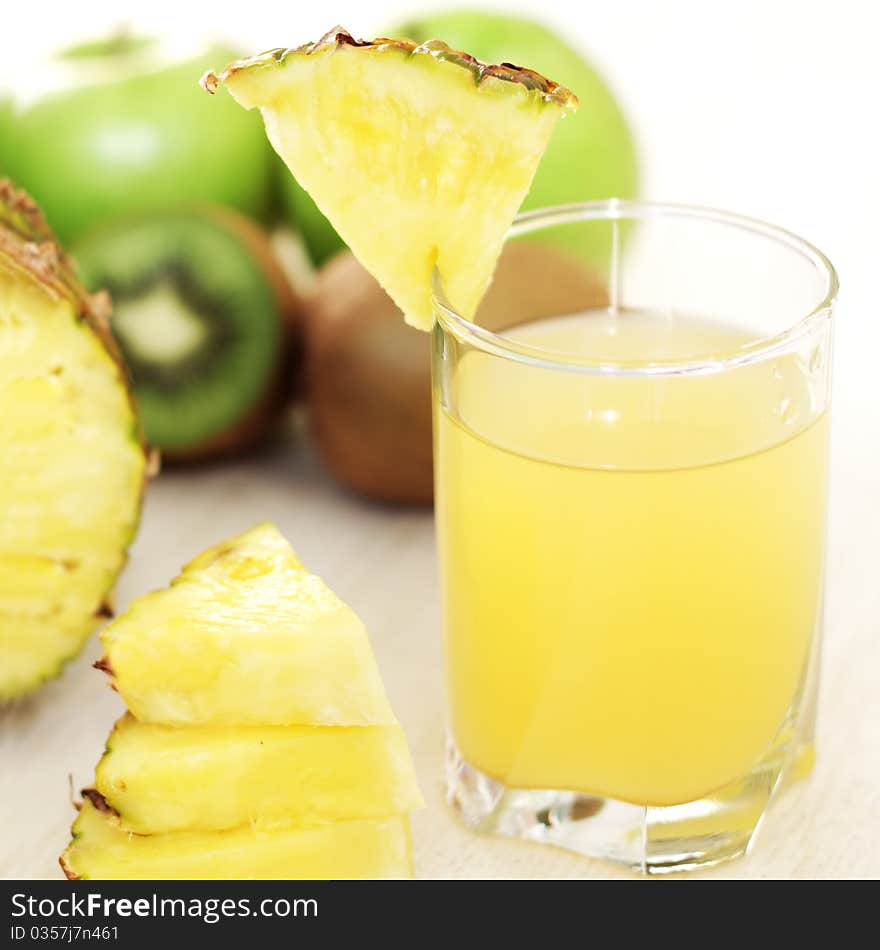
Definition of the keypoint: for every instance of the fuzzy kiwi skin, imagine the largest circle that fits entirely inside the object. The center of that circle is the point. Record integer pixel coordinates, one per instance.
(368, 374)
(368, 388)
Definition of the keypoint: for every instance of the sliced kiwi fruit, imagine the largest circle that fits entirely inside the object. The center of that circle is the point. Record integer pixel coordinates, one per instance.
(206, 321)
(368, 374)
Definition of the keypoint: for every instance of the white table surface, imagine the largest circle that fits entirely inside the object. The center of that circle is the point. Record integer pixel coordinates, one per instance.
(381, 561)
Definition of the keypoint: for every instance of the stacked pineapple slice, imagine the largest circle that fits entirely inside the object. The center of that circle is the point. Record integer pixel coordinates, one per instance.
(259, 741)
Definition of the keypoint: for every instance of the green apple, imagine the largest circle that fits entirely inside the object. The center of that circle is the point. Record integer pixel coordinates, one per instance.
(591, 155)
(123, 132)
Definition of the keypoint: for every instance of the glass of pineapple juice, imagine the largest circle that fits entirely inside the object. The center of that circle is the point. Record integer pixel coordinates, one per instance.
(630, 492)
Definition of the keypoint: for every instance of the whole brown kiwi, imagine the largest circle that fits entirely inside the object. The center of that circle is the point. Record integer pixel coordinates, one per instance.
(368, 374)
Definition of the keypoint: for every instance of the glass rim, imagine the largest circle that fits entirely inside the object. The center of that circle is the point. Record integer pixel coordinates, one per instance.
(618, 209)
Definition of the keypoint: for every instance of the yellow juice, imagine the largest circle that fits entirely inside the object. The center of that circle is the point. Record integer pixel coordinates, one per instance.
(631, 567)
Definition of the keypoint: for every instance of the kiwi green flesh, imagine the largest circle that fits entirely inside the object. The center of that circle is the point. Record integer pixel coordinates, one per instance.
(196, 318)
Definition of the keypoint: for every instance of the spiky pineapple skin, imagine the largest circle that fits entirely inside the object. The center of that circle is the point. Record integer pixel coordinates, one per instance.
(419, 156)
(40, 293)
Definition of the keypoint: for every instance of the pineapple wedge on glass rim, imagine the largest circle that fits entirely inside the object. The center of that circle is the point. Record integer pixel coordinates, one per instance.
(370, 848)
(245, 635)
(72, 459)
(420, 156)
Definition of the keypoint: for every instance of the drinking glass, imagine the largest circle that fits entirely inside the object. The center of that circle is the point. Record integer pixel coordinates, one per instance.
(631, 448)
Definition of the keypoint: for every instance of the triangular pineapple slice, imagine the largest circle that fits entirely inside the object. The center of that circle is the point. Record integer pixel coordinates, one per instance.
(418, 155)
(163, 778)
(245, 635)
(374, 848)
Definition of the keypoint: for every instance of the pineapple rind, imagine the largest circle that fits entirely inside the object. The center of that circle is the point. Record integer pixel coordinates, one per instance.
(479, 72)
(161, 779)
(245, 635)
(373, 848)
(419, 156)
(72, 461)
(35, 649)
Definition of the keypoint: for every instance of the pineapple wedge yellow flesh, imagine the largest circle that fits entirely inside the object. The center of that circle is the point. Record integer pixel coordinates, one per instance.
(375, 848)
(245, 636)
(71, 462)
(419, 157)
(161, 778)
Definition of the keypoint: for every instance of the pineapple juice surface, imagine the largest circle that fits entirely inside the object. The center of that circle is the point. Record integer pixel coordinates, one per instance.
(631, 565)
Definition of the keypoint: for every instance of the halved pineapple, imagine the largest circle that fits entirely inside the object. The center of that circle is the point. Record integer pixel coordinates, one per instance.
(164, 778)
(419, 156)
(72, 462)
(245, 635)
(374, 848)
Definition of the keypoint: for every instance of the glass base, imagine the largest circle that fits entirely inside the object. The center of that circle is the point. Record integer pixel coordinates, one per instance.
(649, 840)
